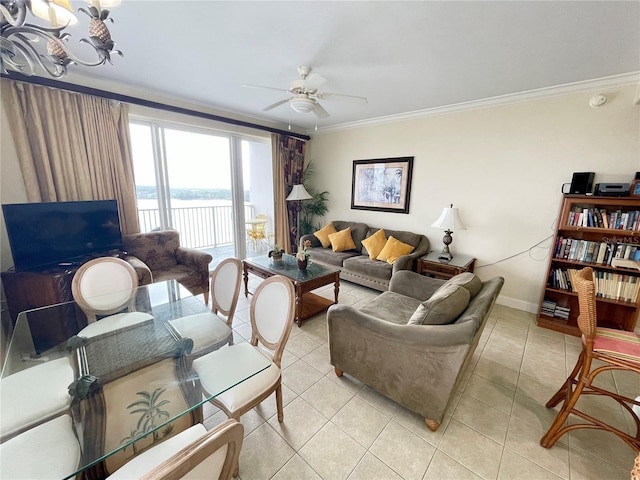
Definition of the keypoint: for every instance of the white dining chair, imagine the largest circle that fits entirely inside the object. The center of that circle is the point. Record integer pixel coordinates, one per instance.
(34, 395)
(271, 311)
(193, 453)
(105, 287)
(211, 330)
(49, 450)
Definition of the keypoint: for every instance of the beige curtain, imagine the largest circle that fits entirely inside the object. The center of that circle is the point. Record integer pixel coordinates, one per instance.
(72, 147)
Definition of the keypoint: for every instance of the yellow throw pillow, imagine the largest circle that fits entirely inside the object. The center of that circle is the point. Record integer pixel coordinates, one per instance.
(342, 240)
(393, 250)
(375, 243)
(323, 234)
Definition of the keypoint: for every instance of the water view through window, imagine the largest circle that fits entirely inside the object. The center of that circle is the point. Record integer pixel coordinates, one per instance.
(191, 181)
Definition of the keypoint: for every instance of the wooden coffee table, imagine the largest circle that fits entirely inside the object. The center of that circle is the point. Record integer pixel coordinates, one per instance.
(304, 281)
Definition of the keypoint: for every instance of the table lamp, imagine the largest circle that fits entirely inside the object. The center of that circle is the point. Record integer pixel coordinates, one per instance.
(449, 219)
(298, 193)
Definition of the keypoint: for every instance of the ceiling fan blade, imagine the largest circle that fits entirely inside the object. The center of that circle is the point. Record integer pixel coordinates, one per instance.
(327, 95)
(267, 88)
(277, 104)
(319, 111)
(313, 81)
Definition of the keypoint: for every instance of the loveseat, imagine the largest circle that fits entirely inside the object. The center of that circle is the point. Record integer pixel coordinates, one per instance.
(356, 266)
(386, 345)
(157, 256)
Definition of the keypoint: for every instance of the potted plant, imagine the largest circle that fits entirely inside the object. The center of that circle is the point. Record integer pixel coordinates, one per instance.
(303, 255)
(276, 253)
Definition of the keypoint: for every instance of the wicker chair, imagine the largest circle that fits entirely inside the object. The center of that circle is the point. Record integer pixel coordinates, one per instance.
(167, 260)
(618, 350)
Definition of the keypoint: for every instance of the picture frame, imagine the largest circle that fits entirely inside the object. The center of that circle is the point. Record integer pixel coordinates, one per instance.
(634, 191)
(382, 184)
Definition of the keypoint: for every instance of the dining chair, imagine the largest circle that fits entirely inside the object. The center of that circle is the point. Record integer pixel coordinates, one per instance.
(32, 396)
(210, 330)
(48, 450)
(105, 287)
(271, 311)
(193, 453)
(603, 350)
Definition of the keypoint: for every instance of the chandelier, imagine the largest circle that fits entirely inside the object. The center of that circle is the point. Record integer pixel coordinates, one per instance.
(22, 44)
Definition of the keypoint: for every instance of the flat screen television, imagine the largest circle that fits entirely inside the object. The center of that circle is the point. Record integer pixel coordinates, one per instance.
(60, 233)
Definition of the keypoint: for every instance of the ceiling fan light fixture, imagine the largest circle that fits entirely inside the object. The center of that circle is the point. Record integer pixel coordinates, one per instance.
(302, 104)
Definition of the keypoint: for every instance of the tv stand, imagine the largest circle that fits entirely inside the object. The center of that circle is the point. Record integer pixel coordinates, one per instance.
(27, 290)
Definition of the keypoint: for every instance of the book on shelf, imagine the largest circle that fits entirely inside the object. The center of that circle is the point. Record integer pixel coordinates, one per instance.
(602, 218)
(626, 263)
(552, 309)
(601, 253)
(611, 285)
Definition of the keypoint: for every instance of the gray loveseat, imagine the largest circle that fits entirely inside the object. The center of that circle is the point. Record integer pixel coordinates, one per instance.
(418, 366)
(356, 266)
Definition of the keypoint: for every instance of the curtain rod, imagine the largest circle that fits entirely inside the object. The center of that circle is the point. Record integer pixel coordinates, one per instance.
(48, 82)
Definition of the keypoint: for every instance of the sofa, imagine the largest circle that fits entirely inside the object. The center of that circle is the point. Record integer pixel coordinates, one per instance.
(356, 266)
(157, 256)
(417, 365)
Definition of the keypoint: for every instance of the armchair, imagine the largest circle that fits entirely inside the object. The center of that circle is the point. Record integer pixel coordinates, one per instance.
(161, 252)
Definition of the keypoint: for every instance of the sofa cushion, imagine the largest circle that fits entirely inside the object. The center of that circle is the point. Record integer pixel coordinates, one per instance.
(391, 307)
(323, 234)
(342, 240)
(444, 306)
(394, 249)
(468, 280)
(374, 244)
(363, 266)
(326, 256)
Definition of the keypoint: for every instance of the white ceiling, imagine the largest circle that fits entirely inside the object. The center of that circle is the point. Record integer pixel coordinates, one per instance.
(402, 56)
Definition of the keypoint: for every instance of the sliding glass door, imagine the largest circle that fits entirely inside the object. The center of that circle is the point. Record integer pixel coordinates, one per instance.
(199, 182)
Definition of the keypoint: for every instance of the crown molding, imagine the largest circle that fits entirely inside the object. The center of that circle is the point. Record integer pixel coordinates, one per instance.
(614, 81)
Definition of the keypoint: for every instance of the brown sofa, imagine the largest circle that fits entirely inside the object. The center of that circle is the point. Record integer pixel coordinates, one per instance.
(157, 256)
(419, 366)
(356, 266)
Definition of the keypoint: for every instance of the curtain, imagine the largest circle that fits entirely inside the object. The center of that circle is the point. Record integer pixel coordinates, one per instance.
(288, 165)
(72, 147)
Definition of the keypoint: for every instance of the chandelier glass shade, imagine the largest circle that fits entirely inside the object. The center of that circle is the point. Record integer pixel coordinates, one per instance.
(302, 104)
(23, 44)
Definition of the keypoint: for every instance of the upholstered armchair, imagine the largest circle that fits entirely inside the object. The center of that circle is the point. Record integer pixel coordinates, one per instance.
(161, 252)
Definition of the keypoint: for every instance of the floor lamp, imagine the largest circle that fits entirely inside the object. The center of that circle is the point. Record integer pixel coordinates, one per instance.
(298, 193)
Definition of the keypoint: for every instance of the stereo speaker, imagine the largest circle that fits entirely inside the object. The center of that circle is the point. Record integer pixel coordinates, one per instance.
(582, 183)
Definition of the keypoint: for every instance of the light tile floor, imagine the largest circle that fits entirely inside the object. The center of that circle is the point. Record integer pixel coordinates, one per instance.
(338, 428)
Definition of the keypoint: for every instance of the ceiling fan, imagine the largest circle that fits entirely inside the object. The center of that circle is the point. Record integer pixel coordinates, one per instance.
(305, 93)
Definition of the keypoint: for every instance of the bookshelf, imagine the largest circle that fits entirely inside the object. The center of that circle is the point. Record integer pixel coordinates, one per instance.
(602, 233)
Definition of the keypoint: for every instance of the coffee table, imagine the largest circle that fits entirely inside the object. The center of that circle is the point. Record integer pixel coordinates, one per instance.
(314, 276)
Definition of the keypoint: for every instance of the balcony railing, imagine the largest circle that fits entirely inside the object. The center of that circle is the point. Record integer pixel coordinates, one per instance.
(199, 227)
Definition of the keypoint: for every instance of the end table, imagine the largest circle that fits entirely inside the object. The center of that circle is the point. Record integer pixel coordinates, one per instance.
(430, 265)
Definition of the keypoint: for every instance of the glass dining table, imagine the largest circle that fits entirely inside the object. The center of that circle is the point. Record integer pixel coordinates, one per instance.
(134, 385)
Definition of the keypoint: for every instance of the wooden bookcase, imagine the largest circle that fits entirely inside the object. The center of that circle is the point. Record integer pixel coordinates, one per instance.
(577, 244)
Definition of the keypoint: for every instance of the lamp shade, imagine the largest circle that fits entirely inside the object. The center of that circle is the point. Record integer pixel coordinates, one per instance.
(57, 12)
(449, 219)
(298, 192)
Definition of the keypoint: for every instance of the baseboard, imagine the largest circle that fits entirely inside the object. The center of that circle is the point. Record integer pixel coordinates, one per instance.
(517, 304)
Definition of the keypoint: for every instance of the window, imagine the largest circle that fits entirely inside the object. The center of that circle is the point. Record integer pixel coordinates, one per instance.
(199, 182)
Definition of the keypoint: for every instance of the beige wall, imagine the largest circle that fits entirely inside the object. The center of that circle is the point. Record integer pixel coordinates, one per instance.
(503, 166)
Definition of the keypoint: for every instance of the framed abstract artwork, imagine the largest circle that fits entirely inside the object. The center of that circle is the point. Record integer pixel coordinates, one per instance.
(382, 184)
